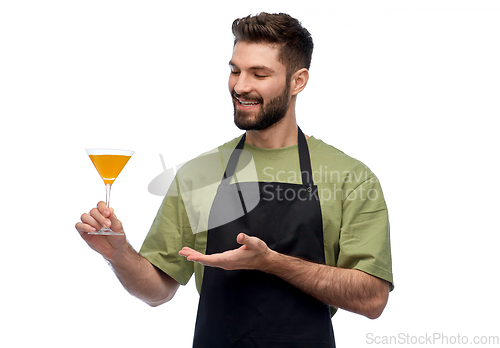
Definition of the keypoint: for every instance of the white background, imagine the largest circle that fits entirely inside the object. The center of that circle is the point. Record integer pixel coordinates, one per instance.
(411, 88)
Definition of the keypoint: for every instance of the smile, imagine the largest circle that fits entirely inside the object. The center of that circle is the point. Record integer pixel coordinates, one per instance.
(247, 102)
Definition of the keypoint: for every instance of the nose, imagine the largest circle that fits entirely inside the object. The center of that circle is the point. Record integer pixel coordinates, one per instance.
(242, 84)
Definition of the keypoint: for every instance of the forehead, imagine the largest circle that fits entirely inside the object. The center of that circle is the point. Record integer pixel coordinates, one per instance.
(248, 55)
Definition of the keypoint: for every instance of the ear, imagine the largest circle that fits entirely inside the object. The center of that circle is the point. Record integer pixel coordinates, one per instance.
(299, 81)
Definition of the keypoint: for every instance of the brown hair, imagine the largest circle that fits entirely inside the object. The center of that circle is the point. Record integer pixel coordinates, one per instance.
(297, 45)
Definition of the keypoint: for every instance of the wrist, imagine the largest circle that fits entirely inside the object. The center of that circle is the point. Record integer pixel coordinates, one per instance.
(121, 255)
(269, 261)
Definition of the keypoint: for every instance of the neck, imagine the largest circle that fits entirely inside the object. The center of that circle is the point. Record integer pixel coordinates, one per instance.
(281, 134)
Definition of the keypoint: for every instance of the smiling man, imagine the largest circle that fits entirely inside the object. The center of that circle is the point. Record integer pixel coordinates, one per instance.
(269, 274)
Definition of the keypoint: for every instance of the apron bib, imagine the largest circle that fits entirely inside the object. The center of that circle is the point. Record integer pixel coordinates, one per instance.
(247, 308)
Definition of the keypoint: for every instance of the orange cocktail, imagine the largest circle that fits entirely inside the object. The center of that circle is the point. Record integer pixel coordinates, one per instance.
(109, 164)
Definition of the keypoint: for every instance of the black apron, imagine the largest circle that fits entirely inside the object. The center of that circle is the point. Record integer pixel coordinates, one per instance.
(247, 308)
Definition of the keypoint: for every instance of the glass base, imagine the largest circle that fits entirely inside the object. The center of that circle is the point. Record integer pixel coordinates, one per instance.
(106, 232)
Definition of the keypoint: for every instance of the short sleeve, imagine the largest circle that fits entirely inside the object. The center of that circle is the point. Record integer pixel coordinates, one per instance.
(169, 233)
(365, 238)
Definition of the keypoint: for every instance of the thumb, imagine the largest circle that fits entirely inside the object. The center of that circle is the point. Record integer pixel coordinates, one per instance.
(240, 238)
(116, 224)
(251, 242)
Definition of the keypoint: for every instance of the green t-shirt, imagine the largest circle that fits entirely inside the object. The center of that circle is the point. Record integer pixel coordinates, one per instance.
(354, 212)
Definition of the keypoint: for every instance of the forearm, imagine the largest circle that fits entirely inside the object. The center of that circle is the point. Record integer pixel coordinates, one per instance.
(349, 289)
(141, 279)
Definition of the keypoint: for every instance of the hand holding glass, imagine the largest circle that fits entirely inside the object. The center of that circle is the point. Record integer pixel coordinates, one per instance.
(109, 163)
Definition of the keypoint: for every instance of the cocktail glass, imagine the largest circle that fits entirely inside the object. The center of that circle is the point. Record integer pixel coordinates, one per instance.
(109, 163)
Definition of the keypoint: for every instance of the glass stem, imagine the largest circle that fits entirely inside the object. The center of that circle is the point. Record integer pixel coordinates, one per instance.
(108, 193)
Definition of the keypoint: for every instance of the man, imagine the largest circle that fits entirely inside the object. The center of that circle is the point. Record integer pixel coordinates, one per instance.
(270, 270)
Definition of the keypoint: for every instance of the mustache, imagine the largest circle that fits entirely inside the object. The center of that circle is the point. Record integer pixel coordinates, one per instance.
(247, 96)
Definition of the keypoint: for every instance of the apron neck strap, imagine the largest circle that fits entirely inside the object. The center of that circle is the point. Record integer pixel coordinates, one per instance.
(233, 160)
(304, 158)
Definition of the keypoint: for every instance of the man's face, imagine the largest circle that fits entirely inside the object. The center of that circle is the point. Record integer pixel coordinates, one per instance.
(258, 85)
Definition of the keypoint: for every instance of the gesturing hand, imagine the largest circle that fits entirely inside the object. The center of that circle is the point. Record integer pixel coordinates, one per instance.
(251, 255)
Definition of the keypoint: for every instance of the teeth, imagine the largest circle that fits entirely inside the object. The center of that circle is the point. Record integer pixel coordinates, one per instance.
(248, 103)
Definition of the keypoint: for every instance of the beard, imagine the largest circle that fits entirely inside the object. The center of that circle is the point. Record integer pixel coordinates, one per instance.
(270, 113)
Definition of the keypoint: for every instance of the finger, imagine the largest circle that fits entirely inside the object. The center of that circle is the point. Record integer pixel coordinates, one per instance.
(196, 256)
(90, 221)
(84, 228)
(103, 209)
(187, 252)
(98, 216)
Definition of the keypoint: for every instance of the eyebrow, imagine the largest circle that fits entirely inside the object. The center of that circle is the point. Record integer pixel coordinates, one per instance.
(256, 67)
